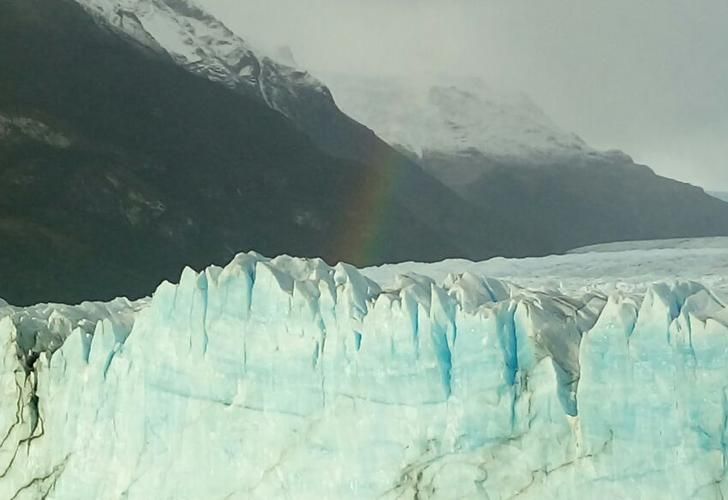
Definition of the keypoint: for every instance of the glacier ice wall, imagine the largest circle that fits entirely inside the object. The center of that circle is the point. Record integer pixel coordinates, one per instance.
(287, 378)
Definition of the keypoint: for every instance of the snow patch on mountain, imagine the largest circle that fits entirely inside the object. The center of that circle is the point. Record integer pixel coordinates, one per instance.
(462, 116)
(434, 114)
(201, 43)
(23, 127)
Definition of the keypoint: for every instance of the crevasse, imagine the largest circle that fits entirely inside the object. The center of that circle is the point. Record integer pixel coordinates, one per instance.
(287, 378)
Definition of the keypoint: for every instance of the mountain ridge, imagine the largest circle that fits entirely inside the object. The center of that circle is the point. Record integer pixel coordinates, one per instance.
(499, 151)
(204, 45)
(431, 113)
(121, 166)
(164, 169)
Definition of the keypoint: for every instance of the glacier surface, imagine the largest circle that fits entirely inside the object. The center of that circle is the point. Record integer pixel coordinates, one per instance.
(626, 266)
(287, 378)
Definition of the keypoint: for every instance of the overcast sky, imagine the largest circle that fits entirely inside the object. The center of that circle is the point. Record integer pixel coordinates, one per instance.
(649, 77)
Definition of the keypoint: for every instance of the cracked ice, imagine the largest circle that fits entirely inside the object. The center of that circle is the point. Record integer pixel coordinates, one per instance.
(287, 378)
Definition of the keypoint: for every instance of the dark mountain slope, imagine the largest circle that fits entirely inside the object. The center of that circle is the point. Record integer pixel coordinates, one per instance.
(536, 183)
(567, 205)
(158, 168)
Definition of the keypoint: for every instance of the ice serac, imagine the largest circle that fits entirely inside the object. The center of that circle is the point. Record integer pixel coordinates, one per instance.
(287, 378)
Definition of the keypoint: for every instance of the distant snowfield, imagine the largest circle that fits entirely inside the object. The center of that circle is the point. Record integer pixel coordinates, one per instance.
(720, 195)
(675, 244)
(626, 266)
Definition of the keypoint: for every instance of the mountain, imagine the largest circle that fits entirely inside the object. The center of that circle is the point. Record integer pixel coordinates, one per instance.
(499, 151)
(120, 166)
(480, 141)
(456, 115)
(205, 46)
(287, 378)
(140, 136)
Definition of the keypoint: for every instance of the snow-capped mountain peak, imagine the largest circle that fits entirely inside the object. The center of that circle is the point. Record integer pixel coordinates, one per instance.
(432, 114)
(422, 115)
(204, 45)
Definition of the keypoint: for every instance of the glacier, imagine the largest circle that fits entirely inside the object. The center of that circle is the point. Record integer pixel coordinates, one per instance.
(288, 378)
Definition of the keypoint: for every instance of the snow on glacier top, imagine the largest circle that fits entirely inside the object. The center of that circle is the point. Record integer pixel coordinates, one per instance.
(630, 268)
(277, 376)
(46, 326)
(719, 242)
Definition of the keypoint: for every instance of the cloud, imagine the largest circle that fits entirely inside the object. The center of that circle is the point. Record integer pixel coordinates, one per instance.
(649, 77)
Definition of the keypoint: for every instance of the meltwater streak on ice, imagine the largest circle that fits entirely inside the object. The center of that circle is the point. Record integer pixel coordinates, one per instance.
(287, 378)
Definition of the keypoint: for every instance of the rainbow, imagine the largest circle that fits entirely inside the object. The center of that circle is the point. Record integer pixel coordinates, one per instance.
(363, 230)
